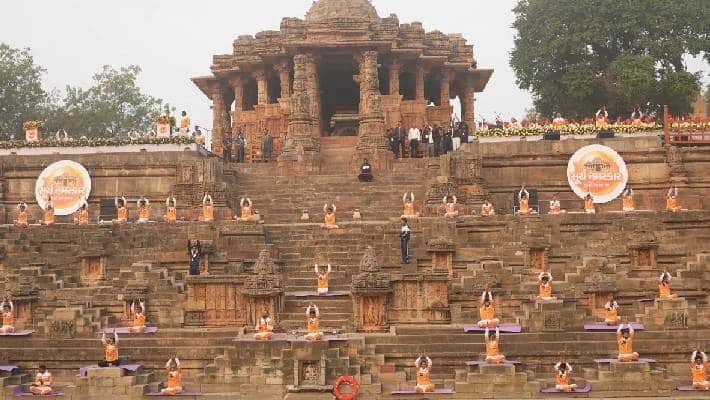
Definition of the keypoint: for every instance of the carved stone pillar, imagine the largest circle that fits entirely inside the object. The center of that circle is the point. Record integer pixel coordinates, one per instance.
(237, 84)
(314, 91)
(445, 87)
(372, 141)
(219, 119)
(395, 70)
(467, 106)
(263, 290)
(262, 95)
(285, 78)
(300, 152)
(370, 290)
(421, 73)
(442, 252)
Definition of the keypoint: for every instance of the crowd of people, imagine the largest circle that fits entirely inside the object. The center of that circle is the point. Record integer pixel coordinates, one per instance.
(427, 140)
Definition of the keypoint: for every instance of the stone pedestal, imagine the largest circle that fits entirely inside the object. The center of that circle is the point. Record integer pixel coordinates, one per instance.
(499, 380)
(114, 383)
(554, 316)
(619, 379)
(669, 314)
(442, 251)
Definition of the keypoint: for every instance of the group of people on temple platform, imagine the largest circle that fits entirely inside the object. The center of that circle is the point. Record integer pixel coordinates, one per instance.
(429, 140)
(600, 119)
(234, 147)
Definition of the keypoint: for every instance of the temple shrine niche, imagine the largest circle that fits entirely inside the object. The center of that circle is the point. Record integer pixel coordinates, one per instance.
(362, 74)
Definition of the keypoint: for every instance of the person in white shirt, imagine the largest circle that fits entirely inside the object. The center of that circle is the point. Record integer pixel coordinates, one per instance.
(415, 136)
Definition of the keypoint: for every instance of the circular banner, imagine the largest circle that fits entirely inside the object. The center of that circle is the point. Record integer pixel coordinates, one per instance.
(67, 183)
(598, 170)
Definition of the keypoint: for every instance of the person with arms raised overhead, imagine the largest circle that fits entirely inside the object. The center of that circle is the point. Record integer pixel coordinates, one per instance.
(408, 203)
(493, 355)
(174, 371)
(322, 280)
(22, 217)
(329, 216)
(138, 317)
(121, 210)
(313, 323)
(110, 351)
(207, 209)
(699, 370)
(143, 210)
(170, 209)
(487, 311)
(423, 367)
(8, 316)
(672, 203)
(563, 375)
(82, 215)
(664, 287)
(625, 340)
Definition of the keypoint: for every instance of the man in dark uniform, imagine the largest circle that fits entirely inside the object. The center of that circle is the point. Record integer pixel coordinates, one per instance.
(227, 147)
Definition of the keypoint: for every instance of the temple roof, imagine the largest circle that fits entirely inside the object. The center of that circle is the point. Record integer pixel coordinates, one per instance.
(322, 10)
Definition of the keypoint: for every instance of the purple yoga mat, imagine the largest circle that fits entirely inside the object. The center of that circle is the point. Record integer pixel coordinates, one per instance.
(604, 327)
(690, 388)
(18, 333)
(411, 392)
(8, 368)
(128, 367)
(124, 330)
(181, 394)
(586, 389)
(506, 362)
(315, 294)
(282, 337)
(615, 360)
(505, 328)
(18, 392)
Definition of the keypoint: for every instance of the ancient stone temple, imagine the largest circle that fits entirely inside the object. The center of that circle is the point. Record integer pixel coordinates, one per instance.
(361, 74)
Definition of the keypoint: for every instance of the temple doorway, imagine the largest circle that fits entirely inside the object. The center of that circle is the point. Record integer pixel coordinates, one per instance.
(340, 97)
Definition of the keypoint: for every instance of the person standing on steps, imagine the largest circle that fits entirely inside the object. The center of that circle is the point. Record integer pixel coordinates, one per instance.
(267, 146)
(404, 236)
(227, 147)
(241, 144)
(401, 134)
(194, 253)
(415, 136)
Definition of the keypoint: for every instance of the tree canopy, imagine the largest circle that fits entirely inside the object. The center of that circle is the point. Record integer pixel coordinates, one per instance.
(578, 55)
(21, 95)
(114, 104)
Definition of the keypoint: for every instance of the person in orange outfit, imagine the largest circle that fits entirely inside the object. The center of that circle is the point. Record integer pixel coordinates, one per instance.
(82, 217)
(558, 121)
(121, 210)
(493, 355)
(48, 214)
(423, 367)
(313, 315)
(174, 385)
(524, 202)
(589, 204)
(329, 216)
(664, 287)
(408, 203)
(21, 221)
(487, 209)
(246, 207)
(487, 311)
(450, 206)
(612, 312)
(170, 209)
(625, 340)
(8, 317)
(322, 278)
(563, 372)
(207, 209)
(627, 200)
(264, 328)
(545, 287)
(699, 370)
(42, 385)
(143, 210)
(672, 203)
(556, 207)
(110, 351)
(138, 317)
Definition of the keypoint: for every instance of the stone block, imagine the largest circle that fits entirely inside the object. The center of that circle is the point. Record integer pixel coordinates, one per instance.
(620, 368)
(274, 380)
(497, 369)
(66, 314)
(105, 373)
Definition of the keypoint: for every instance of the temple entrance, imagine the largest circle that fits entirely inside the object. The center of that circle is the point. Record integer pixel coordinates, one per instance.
(340, 98)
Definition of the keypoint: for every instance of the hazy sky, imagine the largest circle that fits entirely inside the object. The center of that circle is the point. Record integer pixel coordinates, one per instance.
(175, 40)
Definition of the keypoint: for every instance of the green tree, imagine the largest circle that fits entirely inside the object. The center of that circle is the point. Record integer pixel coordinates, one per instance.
(679, 90)
(113, 105)
(576, 55)
(21, 95)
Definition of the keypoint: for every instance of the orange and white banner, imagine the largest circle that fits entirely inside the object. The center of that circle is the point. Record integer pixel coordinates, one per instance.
(67, 183)
(598, 170)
